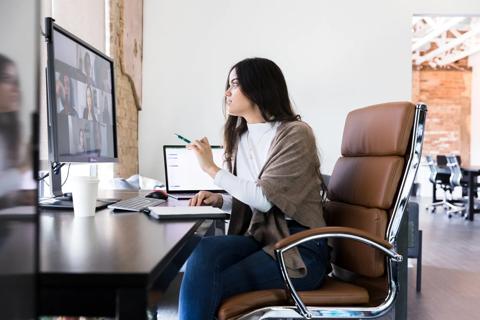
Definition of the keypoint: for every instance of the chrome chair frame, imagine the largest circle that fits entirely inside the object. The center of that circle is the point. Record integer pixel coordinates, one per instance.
(300, 311)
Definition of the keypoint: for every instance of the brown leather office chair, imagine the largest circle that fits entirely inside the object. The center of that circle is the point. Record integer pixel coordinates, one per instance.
(368, 194)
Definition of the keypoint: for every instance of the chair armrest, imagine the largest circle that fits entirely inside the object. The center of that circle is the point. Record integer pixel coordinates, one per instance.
(330, 231)
(320, 233)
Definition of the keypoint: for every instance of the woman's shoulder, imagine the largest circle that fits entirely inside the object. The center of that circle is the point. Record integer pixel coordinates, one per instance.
(295, 127)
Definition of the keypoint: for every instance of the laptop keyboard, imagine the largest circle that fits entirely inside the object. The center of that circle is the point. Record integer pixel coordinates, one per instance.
(136, 203)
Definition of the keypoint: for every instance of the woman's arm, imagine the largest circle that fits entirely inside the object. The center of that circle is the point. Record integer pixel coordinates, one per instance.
(227, 202)
(246, 191)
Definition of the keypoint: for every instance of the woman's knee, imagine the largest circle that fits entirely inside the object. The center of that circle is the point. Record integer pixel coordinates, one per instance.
(222, 249)
(204, 249)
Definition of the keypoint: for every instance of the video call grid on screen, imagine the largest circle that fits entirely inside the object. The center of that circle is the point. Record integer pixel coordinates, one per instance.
(183, 172)
(81, 76)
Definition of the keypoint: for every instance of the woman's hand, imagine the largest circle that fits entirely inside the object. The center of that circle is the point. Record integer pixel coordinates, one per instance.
(204, 155)
(206, 198)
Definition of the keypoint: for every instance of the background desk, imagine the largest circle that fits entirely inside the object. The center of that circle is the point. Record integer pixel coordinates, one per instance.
(103, 265)
(472, 174)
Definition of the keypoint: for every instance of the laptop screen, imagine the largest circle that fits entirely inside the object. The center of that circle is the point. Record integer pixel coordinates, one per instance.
(183, 173)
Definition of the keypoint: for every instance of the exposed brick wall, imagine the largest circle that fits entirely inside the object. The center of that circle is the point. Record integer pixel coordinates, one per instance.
(127, 99)
(448, 96)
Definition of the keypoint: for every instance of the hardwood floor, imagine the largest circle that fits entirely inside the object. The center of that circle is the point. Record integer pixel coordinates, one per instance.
(451, 271)
(451, 268)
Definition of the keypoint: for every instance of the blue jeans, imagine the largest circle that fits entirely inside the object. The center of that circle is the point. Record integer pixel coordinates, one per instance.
(223, 266)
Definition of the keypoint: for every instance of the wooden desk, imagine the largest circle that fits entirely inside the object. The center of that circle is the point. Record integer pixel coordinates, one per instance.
(472, 173)
(104, 265)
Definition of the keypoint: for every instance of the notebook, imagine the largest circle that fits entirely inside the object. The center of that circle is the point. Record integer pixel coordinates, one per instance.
(202, 212)
(183, 175)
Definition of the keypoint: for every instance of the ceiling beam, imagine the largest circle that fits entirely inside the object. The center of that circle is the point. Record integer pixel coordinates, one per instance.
(437, 30)
(449, 45)
(460, 55)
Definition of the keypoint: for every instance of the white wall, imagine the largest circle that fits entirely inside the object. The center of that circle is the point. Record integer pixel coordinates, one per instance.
(336, 56)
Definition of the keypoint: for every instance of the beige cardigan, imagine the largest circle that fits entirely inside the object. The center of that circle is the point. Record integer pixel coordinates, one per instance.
(290, 180)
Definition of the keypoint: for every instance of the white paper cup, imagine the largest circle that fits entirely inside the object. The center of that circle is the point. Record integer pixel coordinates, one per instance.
(84, 193)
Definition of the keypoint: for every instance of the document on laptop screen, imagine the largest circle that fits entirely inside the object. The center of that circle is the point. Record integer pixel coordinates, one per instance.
(184, 173)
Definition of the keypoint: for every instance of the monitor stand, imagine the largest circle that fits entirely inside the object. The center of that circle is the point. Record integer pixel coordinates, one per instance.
(65, 203)
(61, 200)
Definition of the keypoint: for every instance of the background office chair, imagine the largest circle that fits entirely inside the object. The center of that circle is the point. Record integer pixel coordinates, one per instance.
(455, 181)
(368, 194)
(442, 160)
(443, 180)
(433, 169)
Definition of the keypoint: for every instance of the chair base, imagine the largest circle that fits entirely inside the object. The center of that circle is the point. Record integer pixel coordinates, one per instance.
(449, 208)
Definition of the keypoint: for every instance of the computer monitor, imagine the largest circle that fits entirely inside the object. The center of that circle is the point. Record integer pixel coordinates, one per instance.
(81, 102)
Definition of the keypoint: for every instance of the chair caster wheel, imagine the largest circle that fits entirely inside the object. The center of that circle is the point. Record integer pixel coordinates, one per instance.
(449, 216)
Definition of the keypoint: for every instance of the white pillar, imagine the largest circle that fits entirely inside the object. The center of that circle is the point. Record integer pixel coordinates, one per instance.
(474, 62)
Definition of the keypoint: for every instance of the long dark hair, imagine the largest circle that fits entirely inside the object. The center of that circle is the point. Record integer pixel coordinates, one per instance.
(263, 83)
(9, 123)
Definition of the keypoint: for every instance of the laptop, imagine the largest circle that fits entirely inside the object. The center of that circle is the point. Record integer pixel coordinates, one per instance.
(183, 175)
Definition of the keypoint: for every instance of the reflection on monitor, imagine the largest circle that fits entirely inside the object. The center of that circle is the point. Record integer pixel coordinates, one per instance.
(183, 173)
(82, 101)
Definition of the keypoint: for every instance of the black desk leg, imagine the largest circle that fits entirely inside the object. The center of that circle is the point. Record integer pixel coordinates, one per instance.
(471, 194)
(419, 262)
(131, 304)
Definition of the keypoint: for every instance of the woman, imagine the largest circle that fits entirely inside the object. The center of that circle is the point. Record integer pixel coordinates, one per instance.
(276, 190)
(88, 112)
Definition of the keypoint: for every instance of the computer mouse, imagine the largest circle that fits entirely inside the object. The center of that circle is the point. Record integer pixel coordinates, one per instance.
(157, 194)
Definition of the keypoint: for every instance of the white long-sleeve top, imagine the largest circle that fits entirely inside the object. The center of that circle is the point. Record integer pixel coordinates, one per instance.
(251, 156)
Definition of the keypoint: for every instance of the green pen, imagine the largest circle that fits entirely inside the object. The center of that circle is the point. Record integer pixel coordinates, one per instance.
(182, 138)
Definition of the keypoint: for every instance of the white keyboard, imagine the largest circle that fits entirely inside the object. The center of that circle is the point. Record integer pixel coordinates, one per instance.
(136, 203)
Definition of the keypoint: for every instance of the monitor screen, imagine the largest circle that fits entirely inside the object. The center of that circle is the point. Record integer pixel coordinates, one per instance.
(81, 101)
(183, 173)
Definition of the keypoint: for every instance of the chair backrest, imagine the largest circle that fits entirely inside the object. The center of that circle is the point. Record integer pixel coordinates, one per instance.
(441, 160)
(455, 170)
(365, 182)
(433, 168)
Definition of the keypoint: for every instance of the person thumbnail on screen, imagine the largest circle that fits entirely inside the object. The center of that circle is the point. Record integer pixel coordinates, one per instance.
(89, 111)
(82, 144)
(87, 68)
(106, 118)
(65, 95)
